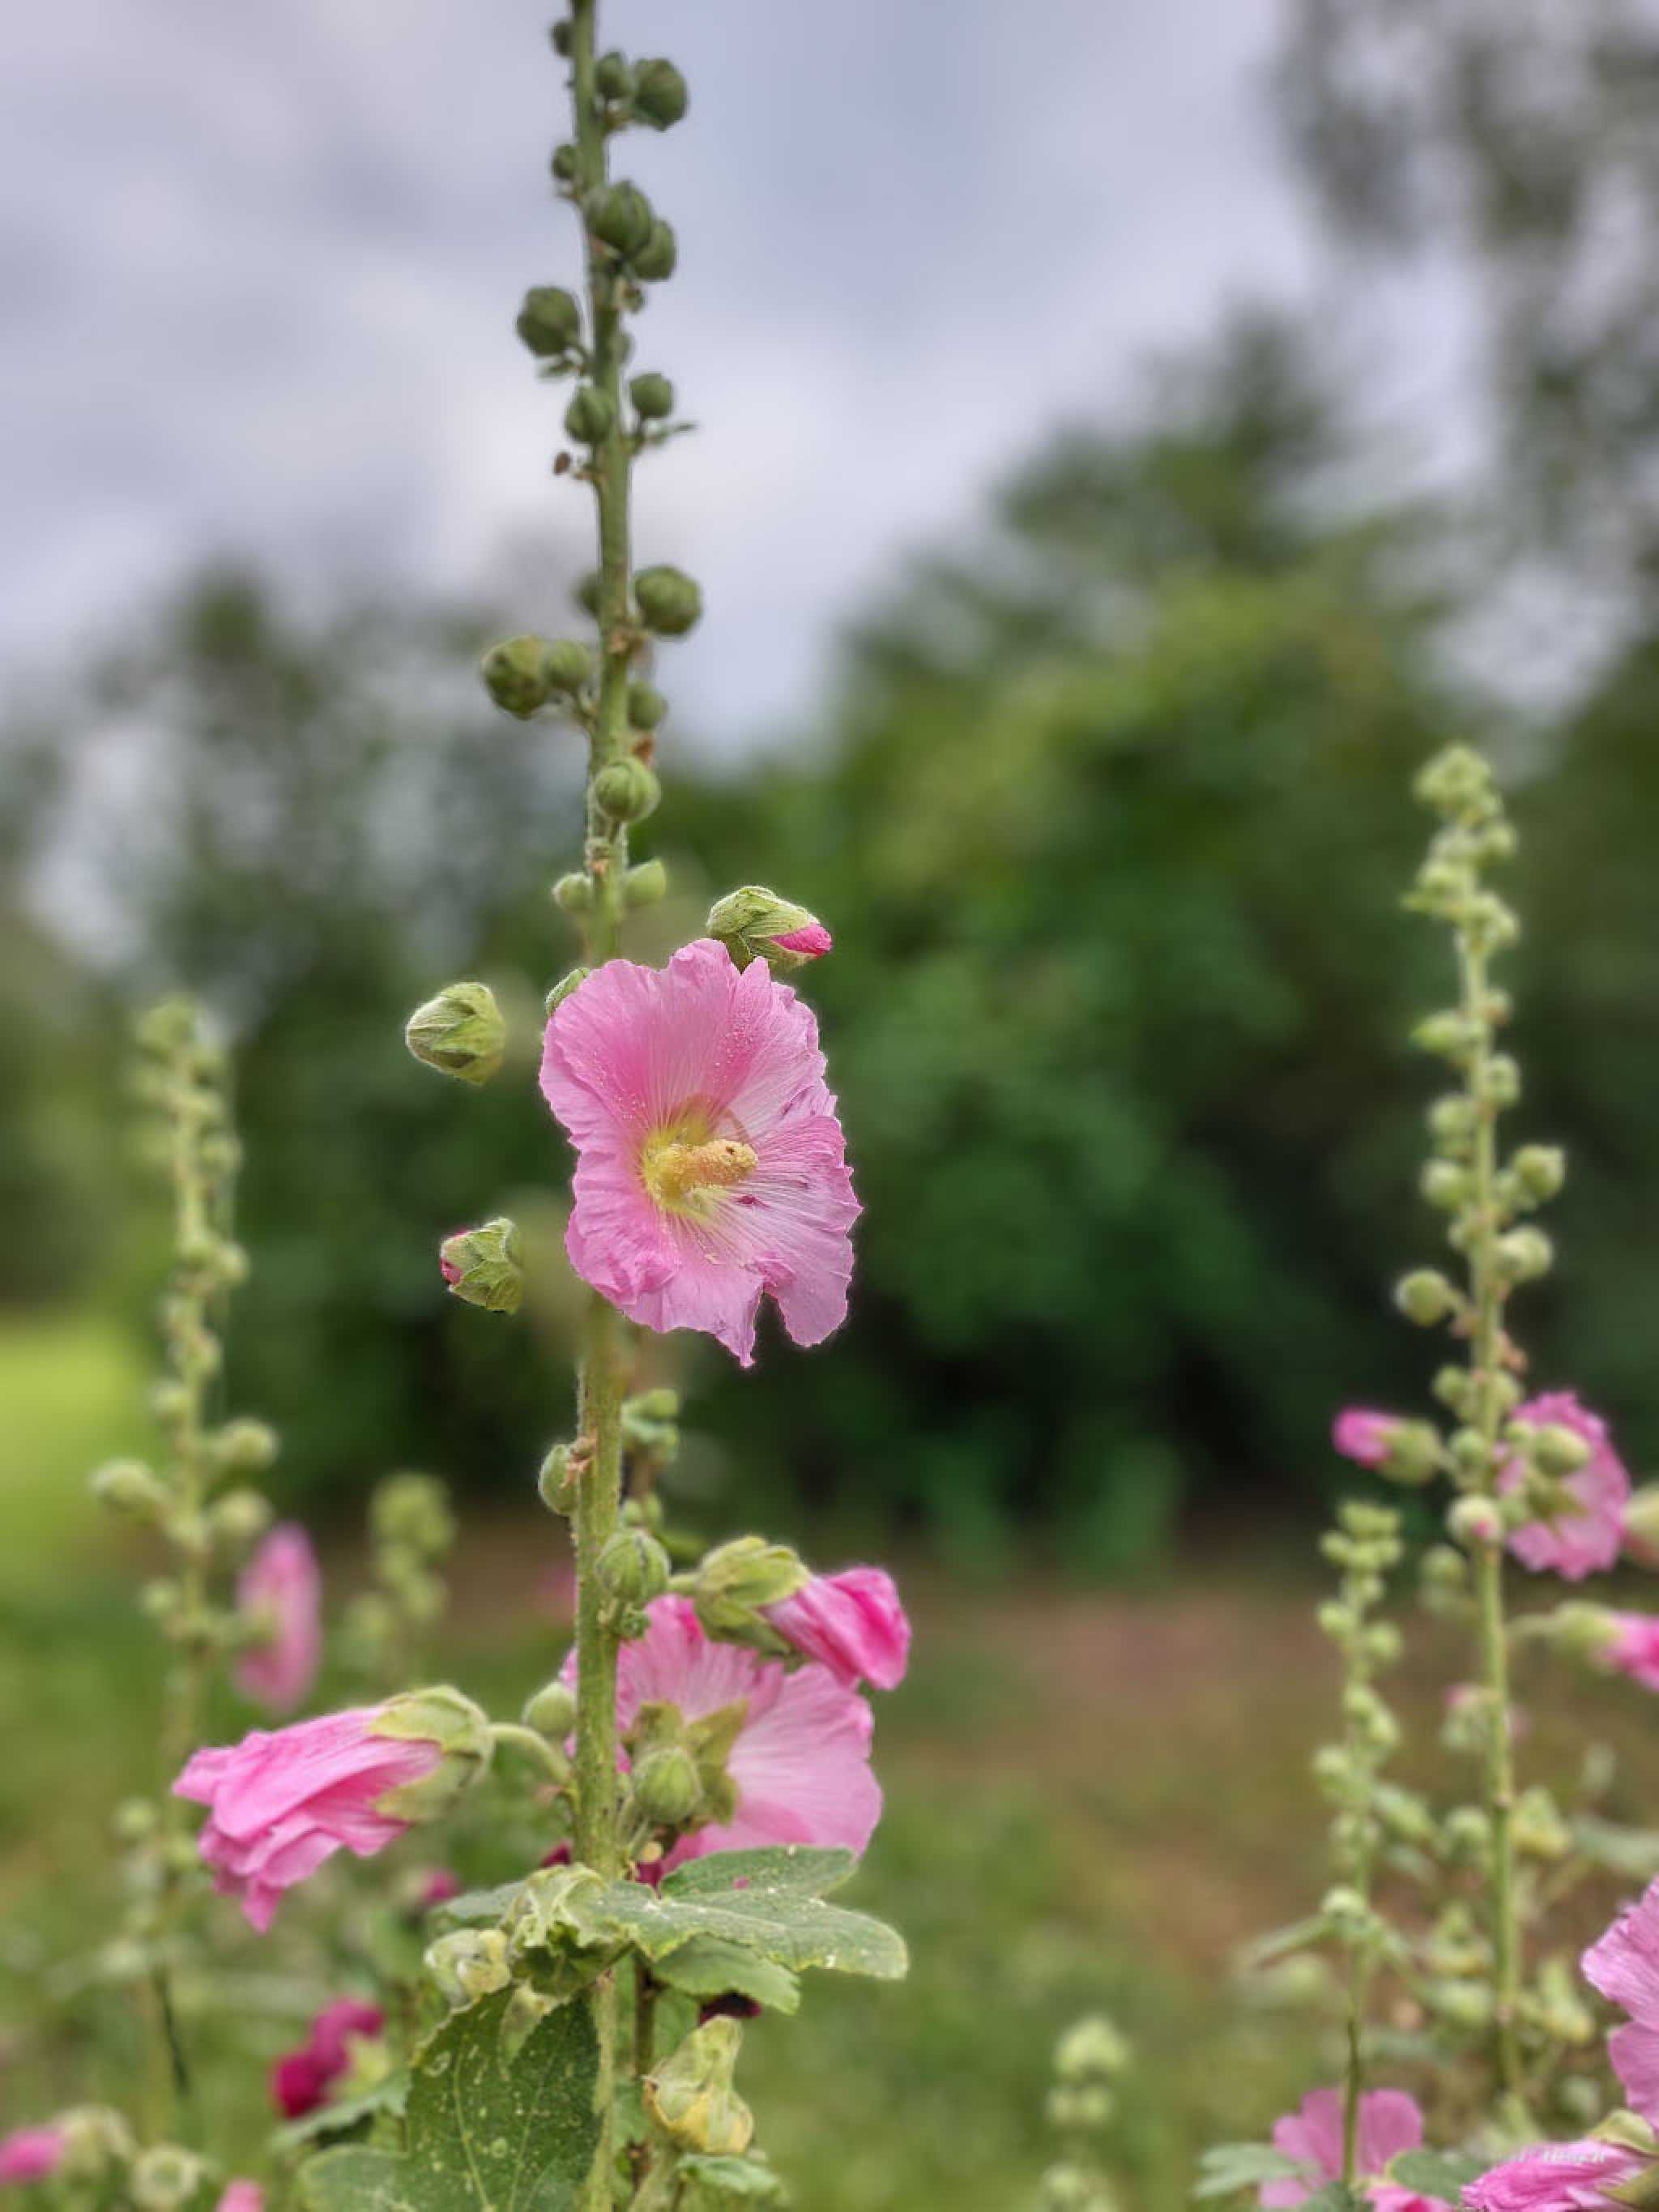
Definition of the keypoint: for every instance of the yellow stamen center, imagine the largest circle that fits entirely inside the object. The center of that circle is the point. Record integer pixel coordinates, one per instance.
(677, 1172)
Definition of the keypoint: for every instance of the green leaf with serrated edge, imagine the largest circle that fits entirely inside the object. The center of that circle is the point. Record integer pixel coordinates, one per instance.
(712, 2183)
(1443, 2173)
(1278, 1941)
(482, 2133)
(794, 1931)
(706, 1967)
(1227, 2166)
(792, 1869)
(475, 1908)
(339, 2117)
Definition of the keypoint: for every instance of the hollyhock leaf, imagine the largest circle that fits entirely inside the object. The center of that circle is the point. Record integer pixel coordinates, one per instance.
(713, 2183)
(1333, 2198)
(790, 1930)
(475, 1908)
(344, 2114)
(782, 1869)
(1442, 2173)
(483, 2132)
(708, 1966)
(1226, 2167)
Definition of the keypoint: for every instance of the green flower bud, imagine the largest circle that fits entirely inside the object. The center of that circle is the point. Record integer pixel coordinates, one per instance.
(1452, 1122)
(1502, 1083)
(515, 676)
(691, 2098)
(567, 664)
(660, 98)
(1457, 784)
(1444, 1184)
(556, 1480)
(646, 705)
(735, 1580)
(657, 260)
(167, 1028)
(413, 1510)
(1091, 2050)
(462, 1733)
(562, 37)
(237, 1520)
(94, 2139)
(591, 416)
(473, 1963)
(166, 2178)
(585, 592)
(551, 1711)
(1414, 1454)
(1539, 1170)
(1425, 1296)
(755, 924)
(668, 1787)
(653, 397)
(1524, 1255)
(573, 894)
(1642, 1525)
(633, 1567)
(127, 1485)
(1554, 1450)
(627, 790)
(562, 989)
(1476, 1521)
(613, 76)
(1446, 1034)
(645, 885)
(549, 322)
(669, 602)
(483, 1266)
(566, 165)
(461, 1032)
(621, 218)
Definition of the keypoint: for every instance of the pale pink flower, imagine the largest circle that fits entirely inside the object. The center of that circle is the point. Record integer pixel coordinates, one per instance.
(30, 2154)
(710, 1165)
(278, 1805)
(241, 2196)
(282, 1588)
(1556, 2176)
(853, 1622)
(1624, 1964)
(1389, 2122)
(1588, 1538)
(1632, 1648)
(1361, 1434)
(300, 2080)
(801, 1762)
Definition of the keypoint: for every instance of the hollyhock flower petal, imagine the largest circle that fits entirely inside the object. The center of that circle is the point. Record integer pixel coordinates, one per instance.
(1360, 1433)
(30, 2154)
(300, 2080)
(801, 1762)
(853, 1622)
(811, 943)
(711, 1168)
(1389, 2122)
(279, 1805)
(282, 1586)
(1588, 1538)
(1556, 2177)
(1633, 1648)
(1624, 1966)
(241, 2196)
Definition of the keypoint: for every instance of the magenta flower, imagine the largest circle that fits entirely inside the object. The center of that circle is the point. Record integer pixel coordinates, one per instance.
(241, 2196)
(852, 1622)
(710, 1165)
(1556, 2176)
(811, 943)
(1389, 2122)
(300, 2080)
(278, 1805)
(1361, 1434)
(801, 1762)
(1580, 1542)
(30, 2154)
(1624, 1964)
(281, 1589)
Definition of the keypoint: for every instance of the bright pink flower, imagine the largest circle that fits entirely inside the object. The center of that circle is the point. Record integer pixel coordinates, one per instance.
(801, 1762)
(1578, 1543)
(300, 2080)
(1624, 1964)
(1556, 2177)
(278, 1805)
(1389, 2123)
(710, 1166)
(30, 2154)
(241, 2196)
(853, 1622)
(1360, 1434)
(281, 1587)
(811, 943)
(1633, 1648)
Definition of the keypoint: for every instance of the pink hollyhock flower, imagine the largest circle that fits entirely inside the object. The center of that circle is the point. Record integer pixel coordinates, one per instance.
(278, 1805)
(1580, 1542)
(300, 2080)
(281, 1588)
(1360, 1434)
(853, 1622)
(1624, 1964)
(30, 2154)
(1389, 2122)
(811, 943)
(710, 1165)
(1556, 2176)
(438, 1887)
(241, 2196)
(1632, 1648)
(801, 1762)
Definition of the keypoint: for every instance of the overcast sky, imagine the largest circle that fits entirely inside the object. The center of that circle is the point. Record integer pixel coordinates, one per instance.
(262, 265)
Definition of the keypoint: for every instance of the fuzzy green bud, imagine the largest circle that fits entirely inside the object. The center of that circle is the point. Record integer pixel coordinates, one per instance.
(566, 165)
(1091, 2050)
(473, 1963)
(515, 676)
(1642, 1525)
(551, 1711)
(632, 1568)
(1476, 1521)
(1448, 1034)
(658, 259)
(94, 2139)
(443, 1716)
(669, 602)
(573, 894)
(1425, 1296)
(549, 322)
(755, 924)
(127, 1485)
(735, 1580)
(585, 592)
(621, 218)
(627, 790)
(555, 1481)
(483, 1266)
(646, 705)
(1414, 1454)
(1539, 1170)
(461, 1032)
(567, 664)
(166, 2178)
(1445, 1185)
(653, 397)
(660, 97)
(667, 1787)
(591, 416)
(562, 989)
(690, 2094)
(1457, 784)
(646, 884)
(1524, 1255)
(1554, 1449)
(237, 1520)
(613, 76)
